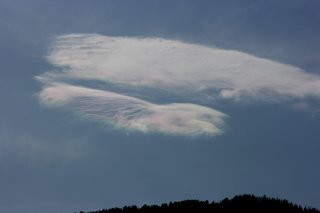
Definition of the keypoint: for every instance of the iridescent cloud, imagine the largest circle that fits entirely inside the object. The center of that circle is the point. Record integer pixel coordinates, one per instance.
(189, 71)
(179, 67)
(134, 114)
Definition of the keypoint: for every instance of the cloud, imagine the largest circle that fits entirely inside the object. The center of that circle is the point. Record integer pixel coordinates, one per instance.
(178, 68)
(134, 114)
(303, 106)
(33, 149)
(189, 71)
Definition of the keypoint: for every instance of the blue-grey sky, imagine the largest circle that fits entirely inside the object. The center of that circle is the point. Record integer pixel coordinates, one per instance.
(80, 130)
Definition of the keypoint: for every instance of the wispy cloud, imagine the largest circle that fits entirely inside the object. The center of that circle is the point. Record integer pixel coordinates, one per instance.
(178, 67)
(304, 106)
(134, 114)
(186, 70)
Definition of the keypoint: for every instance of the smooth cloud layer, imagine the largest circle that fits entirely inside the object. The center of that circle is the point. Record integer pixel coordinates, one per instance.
(186, 70)
(135, 114)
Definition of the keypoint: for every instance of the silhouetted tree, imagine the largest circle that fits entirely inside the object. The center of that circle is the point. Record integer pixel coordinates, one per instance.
(240, 203)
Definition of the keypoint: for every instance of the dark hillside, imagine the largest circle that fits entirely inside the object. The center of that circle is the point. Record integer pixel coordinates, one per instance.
(240, 203)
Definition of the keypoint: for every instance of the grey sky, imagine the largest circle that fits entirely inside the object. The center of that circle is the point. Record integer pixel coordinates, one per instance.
(54, 161)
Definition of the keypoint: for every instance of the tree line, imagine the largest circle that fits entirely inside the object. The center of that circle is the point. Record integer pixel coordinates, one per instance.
(239, 203)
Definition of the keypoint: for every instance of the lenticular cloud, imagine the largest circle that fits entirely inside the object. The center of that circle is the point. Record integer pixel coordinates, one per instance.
(185, 70)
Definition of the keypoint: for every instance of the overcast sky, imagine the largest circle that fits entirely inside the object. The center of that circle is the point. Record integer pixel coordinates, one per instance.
(113, 103)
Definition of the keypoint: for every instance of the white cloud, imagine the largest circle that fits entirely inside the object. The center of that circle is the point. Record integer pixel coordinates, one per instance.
(178, 67)
(189, 71)
(134, 114)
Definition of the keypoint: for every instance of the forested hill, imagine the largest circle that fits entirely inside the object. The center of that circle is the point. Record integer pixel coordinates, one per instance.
(240, 203)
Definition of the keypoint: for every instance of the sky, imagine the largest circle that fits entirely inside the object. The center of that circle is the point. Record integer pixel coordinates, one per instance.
(113, 103)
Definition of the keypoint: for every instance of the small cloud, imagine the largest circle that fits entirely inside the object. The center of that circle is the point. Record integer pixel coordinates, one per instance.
(303, 106)
(130, 113)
